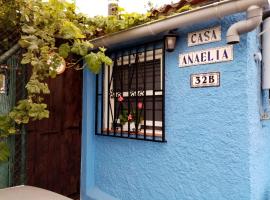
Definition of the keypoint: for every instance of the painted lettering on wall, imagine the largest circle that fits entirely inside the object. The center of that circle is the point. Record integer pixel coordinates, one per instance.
(211, 79)
(207, 56)
(204, 36)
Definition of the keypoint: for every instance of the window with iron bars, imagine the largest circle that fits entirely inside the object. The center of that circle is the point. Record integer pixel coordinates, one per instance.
(130, 95)
(4, 79)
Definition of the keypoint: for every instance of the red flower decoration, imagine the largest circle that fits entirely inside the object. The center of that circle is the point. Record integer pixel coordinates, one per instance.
(140, 105)
(120, 98)
(130, 118)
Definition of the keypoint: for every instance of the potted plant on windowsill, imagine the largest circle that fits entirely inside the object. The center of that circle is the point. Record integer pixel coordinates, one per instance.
(131, 120)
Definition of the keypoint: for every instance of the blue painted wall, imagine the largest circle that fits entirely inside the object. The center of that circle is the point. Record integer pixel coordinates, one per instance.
(217, 147)
(259, 130)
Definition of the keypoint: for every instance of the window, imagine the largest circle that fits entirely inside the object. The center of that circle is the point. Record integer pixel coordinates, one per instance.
(130, 97)
(3, 79)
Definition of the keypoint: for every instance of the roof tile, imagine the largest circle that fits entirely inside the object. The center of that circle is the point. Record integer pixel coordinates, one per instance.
(175, 7)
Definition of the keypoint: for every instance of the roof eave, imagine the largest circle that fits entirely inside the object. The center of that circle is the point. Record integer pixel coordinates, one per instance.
(157, 27)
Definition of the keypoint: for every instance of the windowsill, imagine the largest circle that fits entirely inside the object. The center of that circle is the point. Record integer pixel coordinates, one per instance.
(139, 133)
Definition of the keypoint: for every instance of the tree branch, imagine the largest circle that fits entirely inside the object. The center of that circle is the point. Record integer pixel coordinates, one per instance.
(9, 53)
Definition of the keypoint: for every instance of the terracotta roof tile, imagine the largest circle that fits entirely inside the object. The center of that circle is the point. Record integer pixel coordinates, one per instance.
(175, 7)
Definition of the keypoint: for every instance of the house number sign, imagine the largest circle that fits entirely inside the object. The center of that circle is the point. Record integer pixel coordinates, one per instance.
(211, 79)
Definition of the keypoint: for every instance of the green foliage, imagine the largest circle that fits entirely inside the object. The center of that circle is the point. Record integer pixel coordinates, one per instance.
(123, 117)
(81, 47)
(69, 31)
(26, 110)
(4, 152)
(185, 8)
(64, 50)
(6, 126)
(136, 116)
(100, 25)
(34, 86)
(94, 60)
(53, 34)
(6, 129)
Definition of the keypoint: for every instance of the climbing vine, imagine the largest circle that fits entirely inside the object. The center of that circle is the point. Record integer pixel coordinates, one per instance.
(52, 34)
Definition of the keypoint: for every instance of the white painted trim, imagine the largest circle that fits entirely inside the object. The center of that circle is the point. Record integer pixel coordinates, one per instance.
(150, 123)
(148, 93)
(148, 131)
(149, 57)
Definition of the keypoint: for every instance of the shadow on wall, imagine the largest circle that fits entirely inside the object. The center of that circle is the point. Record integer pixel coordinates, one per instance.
(266, 195)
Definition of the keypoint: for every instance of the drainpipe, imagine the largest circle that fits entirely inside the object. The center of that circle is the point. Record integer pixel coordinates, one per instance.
(266, 50)
(254, 19)
(213, 11)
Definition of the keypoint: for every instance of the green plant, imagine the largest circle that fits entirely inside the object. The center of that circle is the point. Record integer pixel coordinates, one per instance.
(4, 152)
(134, 114)
(185, 8)
(130, 117)
(52, 33)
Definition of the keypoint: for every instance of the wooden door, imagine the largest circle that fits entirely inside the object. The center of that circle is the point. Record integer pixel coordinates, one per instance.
(54, 144)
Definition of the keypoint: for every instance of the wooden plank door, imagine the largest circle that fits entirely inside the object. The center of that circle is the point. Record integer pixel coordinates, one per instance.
(54, 144)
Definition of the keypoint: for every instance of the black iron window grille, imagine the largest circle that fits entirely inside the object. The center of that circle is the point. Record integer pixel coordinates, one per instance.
(130, 95)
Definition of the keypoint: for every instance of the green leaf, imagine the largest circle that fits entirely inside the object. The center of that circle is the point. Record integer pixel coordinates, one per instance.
(27, 57)
(102, 49)
(34, 86)
(30, 42)
(28, 29)
(6, 126)
(29, 38)
(69, 30)
(38, 111)
(4, 152)
(64, 50)
(26, 18)
(25, 120)
(24, 43)
(26, 110)
(81, 48)
(25, 60)
(33, 47)
(93, 62)
(12, 130)
(185, 8)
